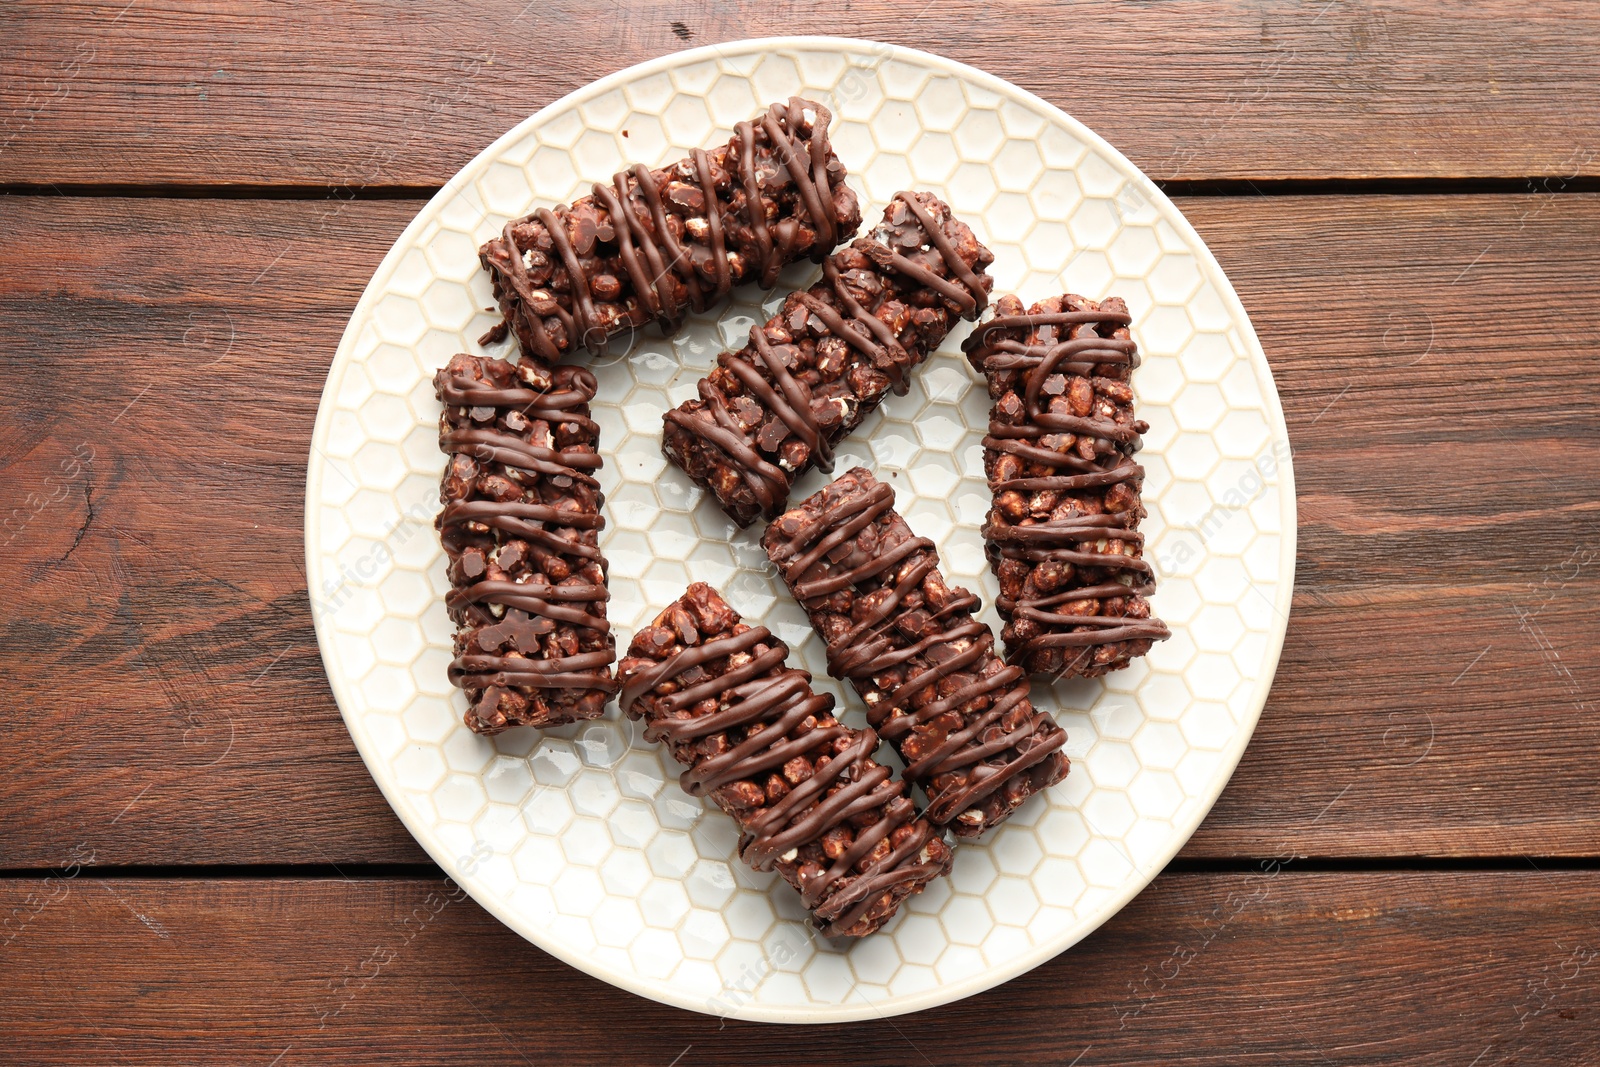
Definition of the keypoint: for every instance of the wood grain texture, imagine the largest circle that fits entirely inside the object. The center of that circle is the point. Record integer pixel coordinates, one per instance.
(1436, 361)
(1259, 968)
(1439, 664)
(171, 561)
(218, 92)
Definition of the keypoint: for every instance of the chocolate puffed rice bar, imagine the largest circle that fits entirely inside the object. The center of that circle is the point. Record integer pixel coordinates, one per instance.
(810, 799)
(908, 643)
(655, 244)
(773, 410)
(1063, 535)
(521, 528)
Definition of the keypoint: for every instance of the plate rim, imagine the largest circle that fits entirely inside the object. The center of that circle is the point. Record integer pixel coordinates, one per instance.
(662, 990)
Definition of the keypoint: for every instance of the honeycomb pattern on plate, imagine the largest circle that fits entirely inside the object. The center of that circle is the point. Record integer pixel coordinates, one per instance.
(580, 838)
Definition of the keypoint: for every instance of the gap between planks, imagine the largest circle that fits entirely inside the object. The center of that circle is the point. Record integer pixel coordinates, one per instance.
(1540, 185)
(370, 872)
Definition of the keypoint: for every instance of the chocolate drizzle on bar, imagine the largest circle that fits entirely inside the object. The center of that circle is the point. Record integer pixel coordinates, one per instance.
(934, 687)
(520, 525)
(776, 408)
(654, 244)
(1063, 536)
(810, 798)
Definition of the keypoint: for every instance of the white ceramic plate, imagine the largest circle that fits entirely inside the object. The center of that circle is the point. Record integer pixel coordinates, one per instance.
(579, 838)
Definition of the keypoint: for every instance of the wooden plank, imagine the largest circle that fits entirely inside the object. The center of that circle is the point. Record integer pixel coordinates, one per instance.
(1436, 691)
(194, 379)
(1446, 471)
(1249, 968)
(403, 93)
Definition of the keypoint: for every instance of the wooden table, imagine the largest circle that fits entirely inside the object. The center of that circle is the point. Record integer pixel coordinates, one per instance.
(198, 868)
